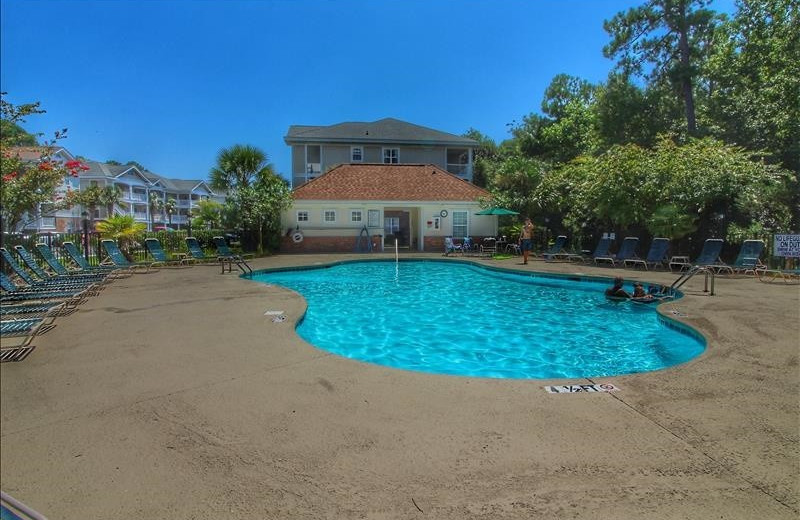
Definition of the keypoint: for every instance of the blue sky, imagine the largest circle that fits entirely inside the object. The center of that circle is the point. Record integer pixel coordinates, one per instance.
(169, 83)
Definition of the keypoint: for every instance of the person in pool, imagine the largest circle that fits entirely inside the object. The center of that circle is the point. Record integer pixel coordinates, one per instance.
(639, 293)
(617, 291)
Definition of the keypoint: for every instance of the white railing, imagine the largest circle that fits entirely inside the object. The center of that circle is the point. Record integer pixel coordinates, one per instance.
(179, 219)
(140, 216)
(462, 170)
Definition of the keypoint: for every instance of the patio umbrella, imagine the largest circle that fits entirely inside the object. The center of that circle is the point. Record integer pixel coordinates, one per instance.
(497, 211)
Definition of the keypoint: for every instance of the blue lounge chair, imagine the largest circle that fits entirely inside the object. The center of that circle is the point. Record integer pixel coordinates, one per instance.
(84, 266)
(197, 253)
(709, 255)
(14, 294)
(226, 252)
(557, 251)
(600, 253)
(59, 270)
(159, 255)
(749, 258)
(656, 256)
(115, 257)
(25, 328)
(36, 309)
(46, 281)
(627, 250)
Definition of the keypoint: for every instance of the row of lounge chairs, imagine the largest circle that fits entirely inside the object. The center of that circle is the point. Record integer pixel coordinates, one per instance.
(30, 304)
(748, 260)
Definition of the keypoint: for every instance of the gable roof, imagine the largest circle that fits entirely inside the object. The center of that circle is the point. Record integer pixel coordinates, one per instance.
(386, 130)
(420, 182)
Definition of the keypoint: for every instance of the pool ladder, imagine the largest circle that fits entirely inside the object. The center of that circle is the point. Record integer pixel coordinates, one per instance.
(684, 277)
(240, 263)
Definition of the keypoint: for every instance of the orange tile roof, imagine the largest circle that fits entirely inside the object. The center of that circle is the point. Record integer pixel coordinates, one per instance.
(422, 182)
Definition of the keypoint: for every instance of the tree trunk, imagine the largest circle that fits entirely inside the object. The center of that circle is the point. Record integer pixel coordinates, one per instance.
(686, 76)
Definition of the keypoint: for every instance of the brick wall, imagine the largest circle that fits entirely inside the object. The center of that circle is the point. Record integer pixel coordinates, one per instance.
(340, 244)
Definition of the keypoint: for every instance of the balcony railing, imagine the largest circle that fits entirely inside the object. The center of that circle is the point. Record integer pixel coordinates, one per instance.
(462, 170)
(136, 197)
(140, 216)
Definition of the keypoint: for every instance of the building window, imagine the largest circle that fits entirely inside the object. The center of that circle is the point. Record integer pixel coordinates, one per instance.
(391, 225)
(302, 216)
(329, 215)
(356, 154)
(355, 216)
(391, 155)
(460, 228)
(373, 217)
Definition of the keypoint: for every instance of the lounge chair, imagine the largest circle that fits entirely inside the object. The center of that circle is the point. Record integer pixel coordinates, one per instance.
(45, 280)
(656, 256)
(557, 251)
(36, 309)
(787, 276)
(25, 328)
(749, 258)
(452, 247)
(226, 252)
(709, 255)
(600, 253)
(13, 294)
(85, 267)
(197, 253)
(57, 267)
(115, 257)
(626, 250)
(159, 255)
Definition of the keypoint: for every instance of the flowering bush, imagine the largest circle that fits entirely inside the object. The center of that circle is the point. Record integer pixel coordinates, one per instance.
(28, 182)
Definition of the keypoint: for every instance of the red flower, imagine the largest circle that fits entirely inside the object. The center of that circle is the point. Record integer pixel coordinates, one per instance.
(46, 166)
(10, 177)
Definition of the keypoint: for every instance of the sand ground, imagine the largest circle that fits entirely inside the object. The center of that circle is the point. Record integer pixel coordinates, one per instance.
(172, 395)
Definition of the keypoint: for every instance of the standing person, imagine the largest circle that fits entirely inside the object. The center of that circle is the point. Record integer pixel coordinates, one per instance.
(525, 239)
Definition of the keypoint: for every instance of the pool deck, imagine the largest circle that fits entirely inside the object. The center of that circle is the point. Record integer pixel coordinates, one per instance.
(172, 395)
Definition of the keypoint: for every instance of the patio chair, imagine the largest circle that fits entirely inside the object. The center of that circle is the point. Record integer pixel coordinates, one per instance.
(787, 276)
(749, 258)
(656, 256)
(489, 246)
(12, 294)
(57, 267)
(46, 281)
(197, 253)
(226, 252)
(452, 247)
(557, 251)
(709, 255)
(159, 255)
(626, 250)
(115, 257)
(84, 266)
(600, 253)
(25, 328)
(37, 309)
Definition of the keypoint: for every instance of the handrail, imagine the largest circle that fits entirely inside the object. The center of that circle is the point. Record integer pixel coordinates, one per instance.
(684, 277)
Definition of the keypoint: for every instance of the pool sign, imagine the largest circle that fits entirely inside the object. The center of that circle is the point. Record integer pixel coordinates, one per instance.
(787, 246)
(573, 389)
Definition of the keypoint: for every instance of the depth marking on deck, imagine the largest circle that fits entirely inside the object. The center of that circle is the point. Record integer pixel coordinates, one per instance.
(573, 389)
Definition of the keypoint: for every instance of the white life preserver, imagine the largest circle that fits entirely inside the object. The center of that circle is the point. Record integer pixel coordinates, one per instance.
(297, 237)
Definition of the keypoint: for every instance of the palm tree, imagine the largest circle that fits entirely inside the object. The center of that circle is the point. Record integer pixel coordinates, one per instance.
(239, 166)
(169, 207)
(122, 228)
(156, 203)
(110, 196)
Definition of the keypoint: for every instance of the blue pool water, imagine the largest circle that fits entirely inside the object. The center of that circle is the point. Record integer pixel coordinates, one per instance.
(463, 319)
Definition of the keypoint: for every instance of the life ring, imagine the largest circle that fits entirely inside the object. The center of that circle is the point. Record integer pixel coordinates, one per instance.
(297, 237)
(443, 213)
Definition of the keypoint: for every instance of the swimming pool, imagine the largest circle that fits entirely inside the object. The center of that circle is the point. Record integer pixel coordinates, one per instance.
(459, 318)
